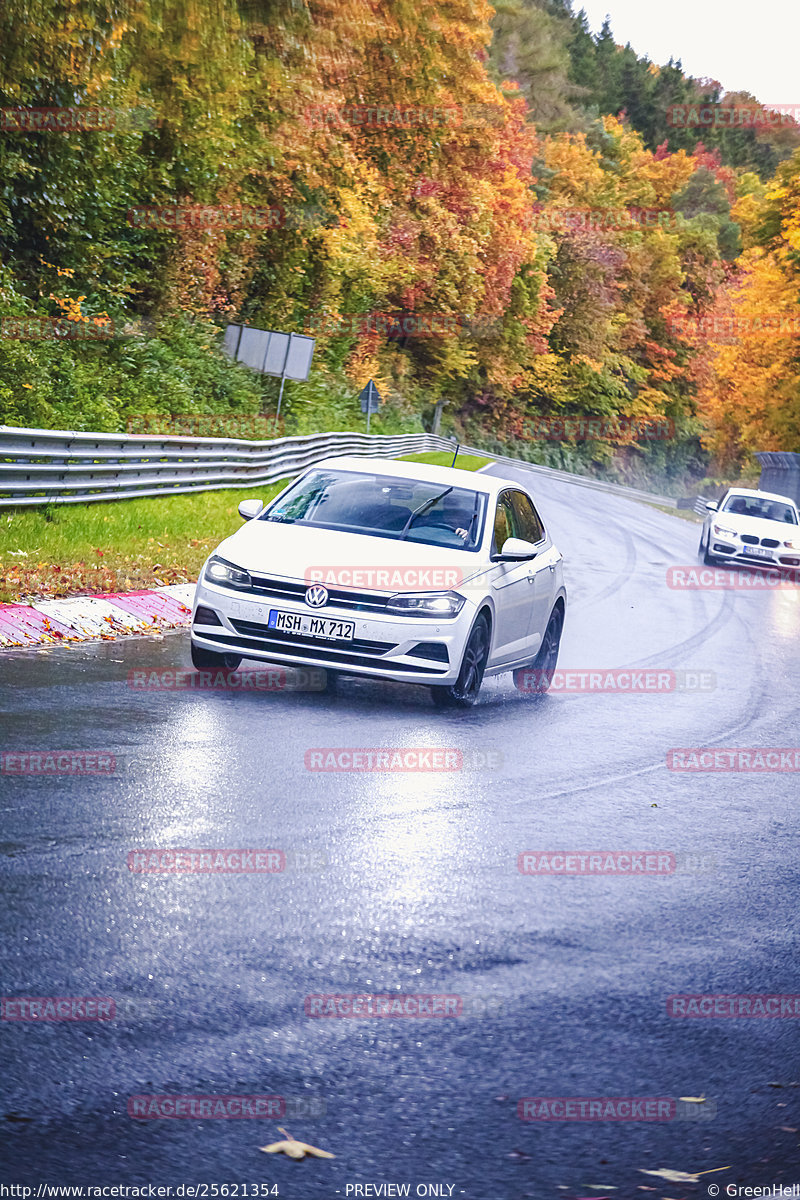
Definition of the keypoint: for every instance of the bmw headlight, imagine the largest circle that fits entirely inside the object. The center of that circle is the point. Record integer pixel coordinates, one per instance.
(428, 604)
(220, 571)
(794, 545)
(723, 529)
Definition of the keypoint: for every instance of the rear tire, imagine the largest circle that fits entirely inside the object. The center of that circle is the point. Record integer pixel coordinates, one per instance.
(464, 692)
(206, 660)
(544, 665)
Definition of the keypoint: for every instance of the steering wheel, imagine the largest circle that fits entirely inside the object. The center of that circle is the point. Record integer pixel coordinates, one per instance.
(437, 525)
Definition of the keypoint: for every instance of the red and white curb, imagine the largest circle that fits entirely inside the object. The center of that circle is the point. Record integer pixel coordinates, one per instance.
(95, 618)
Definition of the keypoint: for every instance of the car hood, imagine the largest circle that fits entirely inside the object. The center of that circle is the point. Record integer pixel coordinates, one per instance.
(758, 526)
(301, 552)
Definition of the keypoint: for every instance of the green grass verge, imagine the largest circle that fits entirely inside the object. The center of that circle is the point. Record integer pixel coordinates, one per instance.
(443, 458)
(75, 549)
(686, 514)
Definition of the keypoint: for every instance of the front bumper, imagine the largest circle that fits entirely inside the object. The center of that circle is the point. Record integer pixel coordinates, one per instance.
(409, 649)
(778, 558)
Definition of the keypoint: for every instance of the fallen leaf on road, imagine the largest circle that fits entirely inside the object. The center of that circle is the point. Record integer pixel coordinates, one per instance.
(293, 1148)
(682, 1176)
(673, 1176)
(693, 1099)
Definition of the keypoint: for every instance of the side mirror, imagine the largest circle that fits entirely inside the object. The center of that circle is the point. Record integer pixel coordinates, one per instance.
(250, 508)
(515, 550)
(712, 506)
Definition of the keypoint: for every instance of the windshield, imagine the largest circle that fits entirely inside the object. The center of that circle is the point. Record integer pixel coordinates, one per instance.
(380, 506)
(758, 506)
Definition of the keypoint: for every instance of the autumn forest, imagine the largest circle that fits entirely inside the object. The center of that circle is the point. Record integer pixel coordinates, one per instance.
(526, 234)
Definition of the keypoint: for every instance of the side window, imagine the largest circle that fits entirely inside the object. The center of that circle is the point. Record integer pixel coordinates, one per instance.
(502, 524)
(527, 524)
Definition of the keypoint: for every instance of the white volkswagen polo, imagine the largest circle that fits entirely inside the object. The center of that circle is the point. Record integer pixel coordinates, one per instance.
(394, 569)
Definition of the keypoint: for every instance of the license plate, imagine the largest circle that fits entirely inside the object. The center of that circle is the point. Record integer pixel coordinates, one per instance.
(761, 551)
(326, 628)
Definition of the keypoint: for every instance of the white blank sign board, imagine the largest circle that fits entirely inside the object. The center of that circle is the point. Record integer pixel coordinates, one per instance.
(301, 352)
(276, 353)
(231, 338)
(252, 348)
(270, 351)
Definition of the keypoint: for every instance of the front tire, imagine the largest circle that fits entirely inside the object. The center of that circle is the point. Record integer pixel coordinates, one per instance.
(207, 660)
(708, 559)
(464, 692)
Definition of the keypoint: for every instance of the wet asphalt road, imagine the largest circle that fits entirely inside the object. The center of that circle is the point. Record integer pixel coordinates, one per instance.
(409, 883)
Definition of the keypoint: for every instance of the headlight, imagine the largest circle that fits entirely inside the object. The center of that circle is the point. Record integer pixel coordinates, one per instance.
(792, 545)
(723, 529)
(429, 604)
(220, 571)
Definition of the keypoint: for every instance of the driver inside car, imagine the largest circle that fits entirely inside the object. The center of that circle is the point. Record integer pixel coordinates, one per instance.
(453, 513)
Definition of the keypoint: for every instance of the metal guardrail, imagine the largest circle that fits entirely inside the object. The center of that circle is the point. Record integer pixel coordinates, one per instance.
(47, 466)
(44, 466)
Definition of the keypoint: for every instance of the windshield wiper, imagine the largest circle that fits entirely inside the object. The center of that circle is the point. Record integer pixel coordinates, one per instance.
(423, 508)
(474, 513)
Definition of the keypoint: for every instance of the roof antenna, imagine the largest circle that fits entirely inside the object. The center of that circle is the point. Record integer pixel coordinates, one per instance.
(455, 456)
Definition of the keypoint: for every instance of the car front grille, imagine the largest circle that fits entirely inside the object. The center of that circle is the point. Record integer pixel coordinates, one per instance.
(750, 540)
(288, 589)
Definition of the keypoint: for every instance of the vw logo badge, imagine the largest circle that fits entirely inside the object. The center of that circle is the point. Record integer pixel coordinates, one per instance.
(317, 596)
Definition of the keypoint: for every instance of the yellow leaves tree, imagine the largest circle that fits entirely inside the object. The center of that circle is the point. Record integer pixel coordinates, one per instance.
(750, 392)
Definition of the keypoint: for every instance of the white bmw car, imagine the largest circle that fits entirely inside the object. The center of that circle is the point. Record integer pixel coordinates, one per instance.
(747, 526)
(393, 569)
